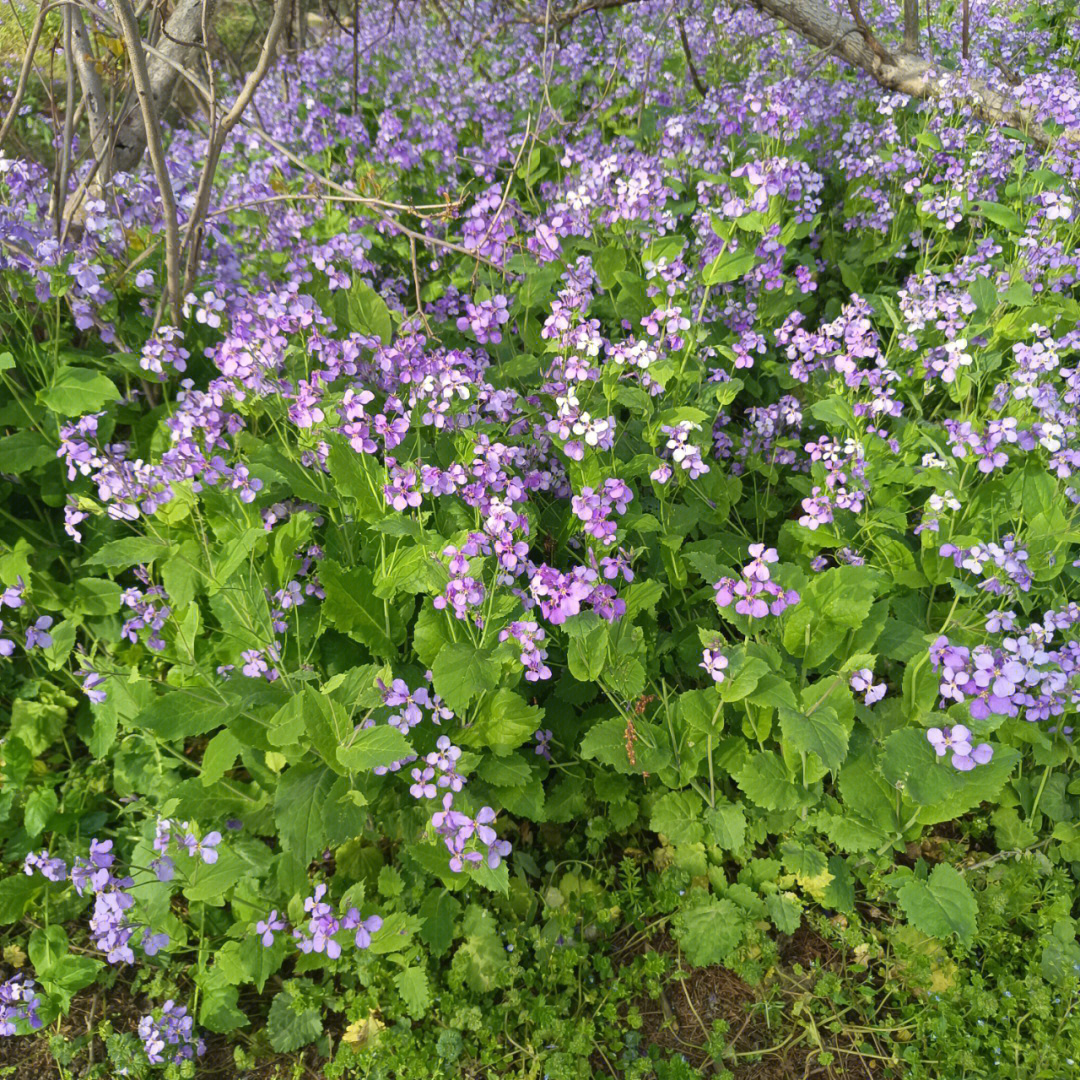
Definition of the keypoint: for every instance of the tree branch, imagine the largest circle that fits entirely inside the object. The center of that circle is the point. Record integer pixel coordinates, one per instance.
(24, 71)
(815, 21)
(152, 127)
(218, 137)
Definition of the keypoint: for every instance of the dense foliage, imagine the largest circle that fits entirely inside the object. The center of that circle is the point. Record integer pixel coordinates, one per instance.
(553, 464)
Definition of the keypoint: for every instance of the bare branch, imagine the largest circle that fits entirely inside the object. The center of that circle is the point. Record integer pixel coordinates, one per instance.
(694, 76)
(24, 71)
(152, 128)
(911, 26)
(218, 137)
(181, 36)
(819, 24)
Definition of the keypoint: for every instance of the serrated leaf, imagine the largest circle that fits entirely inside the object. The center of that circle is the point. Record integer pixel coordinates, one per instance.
(726, 826)
(374, 746)
(677, 815)
(504, 722)
(819, 732)
(709, 933)
(765, 781)
(461, 673)
(291, 1024)
(412, 985)
(606, 742)
(438, 912)
(942, 905)
(352, 606)
(298, 803)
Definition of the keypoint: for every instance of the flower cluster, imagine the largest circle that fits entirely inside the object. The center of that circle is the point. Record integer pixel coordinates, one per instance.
(323, 928)
(593, 507)
(756, 594)
(19, 1004)
(957, 739)
(465, 835)
(170, 1036)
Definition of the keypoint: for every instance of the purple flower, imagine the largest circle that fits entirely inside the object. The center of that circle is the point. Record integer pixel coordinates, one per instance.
(266, 928)
(862, 682)
(36, 636)
(714, 662)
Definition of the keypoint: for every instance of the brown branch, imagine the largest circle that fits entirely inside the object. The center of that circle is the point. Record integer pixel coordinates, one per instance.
(911, 26)
(819, 24)
(152, 125)
(24, 71)
(195, 234)
(694, 76)
(875, 46)
(965, 31)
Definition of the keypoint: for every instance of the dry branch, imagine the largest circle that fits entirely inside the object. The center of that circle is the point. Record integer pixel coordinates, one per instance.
(820, 24)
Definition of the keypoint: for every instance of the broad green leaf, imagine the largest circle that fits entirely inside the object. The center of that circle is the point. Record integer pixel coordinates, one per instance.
(78, 390)
(709, 933)
(504, 722)
(461, 673)
(942, 905)
(726, 826)
(301, 792)
(765, 781)
(292, 1023)
(678, 816)
(606, 742)
(219, 756)
(375, 746)
(368, 312)
(412, 985)
(819, 732)
(132, 550)
(352, 606)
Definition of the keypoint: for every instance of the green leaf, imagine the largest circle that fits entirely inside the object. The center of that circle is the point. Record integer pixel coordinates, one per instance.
(743, 675)
(1001, 215)
(727, 266)
(25, 450)
(371, 747)
(677, 815)
(765, 781)
(47, 945)
(481, 958)
(78, 390)
(586, 655)
(96, 596)
(709, 933)
(210, 881)
(504, 722)
(412, 985)
(461, 673)
(184, 713)
(360, 476)
(942, 905)
(438, 912)
(808, 865)
(132, 550)
(352, 606)
(727, 826)
(774, 691)
(819, 732)
(301, 792)
(785, 911)
(292, 1023)
(606, 742)
(219, 756)
(368, 312)
(41, 804)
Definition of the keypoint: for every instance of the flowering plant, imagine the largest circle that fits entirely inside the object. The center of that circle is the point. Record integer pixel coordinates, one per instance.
(700, 480)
